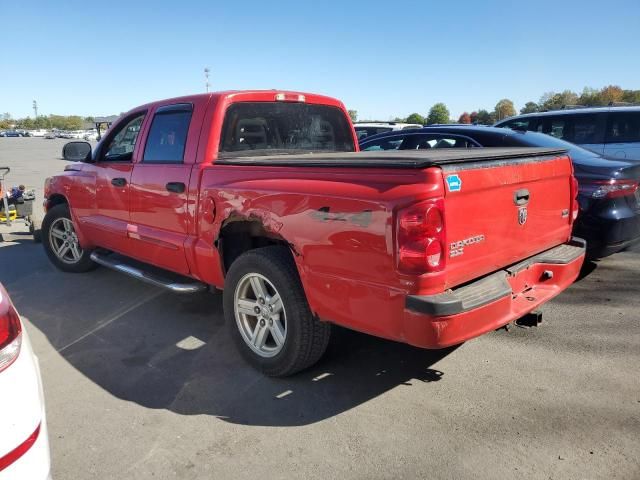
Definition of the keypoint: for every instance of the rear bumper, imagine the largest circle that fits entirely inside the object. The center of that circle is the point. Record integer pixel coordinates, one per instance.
(609, 228)
(450, 318)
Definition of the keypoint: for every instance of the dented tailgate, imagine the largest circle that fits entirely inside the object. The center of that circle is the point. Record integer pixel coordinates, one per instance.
(500, 212)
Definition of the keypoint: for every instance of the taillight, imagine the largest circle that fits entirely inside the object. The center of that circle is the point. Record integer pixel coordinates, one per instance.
(421, 237)
(575, 206)
(10, 333)
(612, 188)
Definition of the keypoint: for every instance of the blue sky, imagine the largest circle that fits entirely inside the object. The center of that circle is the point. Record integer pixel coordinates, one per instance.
(384, 59)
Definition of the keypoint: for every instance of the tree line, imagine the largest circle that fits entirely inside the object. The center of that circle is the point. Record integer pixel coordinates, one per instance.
(591, 97)
(49, 122)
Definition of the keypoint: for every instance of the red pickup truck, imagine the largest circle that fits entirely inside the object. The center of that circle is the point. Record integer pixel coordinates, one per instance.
(264, 195)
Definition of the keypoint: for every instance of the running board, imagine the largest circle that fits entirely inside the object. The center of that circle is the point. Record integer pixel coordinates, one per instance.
(154, 279)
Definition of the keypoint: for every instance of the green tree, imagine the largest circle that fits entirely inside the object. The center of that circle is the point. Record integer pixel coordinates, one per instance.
(26, 123)
(610, 94)
(555, 101)
(439, 113)
(589, 97)
(464, 118)
(504, 109)
(631, 96)
(485, 118)
(353, 114)
(529, 107)
(415, 118)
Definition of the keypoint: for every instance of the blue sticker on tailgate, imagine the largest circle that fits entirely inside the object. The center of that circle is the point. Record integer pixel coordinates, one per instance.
(454, 183)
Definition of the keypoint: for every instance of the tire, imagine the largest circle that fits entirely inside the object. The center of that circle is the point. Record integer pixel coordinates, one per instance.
(289, 339)
(56, 222)
(37, 233)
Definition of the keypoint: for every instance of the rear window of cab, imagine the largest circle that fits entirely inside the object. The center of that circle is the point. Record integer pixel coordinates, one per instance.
(276, 128)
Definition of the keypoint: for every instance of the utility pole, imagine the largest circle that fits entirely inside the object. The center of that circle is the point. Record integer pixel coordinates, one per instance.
(35, 109)
(206, 79)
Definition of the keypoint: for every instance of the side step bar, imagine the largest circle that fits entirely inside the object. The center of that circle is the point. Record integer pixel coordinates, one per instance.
(152, 278)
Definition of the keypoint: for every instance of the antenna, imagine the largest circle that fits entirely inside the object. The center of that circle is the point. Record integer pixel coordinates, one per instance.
(206, 79)
(35, 109)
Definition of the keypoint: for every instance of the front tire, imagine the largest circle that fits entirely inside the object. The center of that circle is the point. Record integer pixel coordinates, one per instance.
(61, 242)
(268, 315)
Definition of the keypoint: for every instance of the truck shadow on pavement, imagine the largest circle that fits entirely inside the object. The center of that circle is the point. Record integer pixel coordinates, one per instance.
(164, 351)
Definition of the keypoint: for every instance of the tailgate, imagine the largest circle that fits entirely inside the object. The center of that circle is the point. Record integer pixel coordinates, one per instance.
(500, 212)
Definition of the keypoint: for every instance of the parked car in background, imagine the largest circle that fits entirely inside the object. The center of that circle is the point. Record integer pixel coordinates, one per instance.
(90, 135)
(609, 131)
(364, 129)
(41, 132)
(24, 446)
(50, 135)
(10, 133)
(608, 192)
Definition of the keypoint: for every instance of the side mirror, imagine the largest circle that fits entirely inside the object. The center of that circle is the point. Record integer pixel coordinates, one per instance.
(77, 151)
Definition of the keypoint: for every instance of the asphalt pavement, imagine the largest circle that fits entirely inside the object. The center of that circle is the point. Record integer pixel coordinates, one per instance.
(141, 383)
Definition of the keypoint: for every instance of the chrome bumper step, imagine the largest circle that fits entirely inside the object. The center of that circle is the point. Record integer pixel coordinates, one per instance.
(159, 279)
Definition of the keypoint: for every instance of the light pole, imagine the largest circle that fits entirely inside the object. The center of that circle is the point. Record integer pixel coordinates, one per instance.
(206, 79)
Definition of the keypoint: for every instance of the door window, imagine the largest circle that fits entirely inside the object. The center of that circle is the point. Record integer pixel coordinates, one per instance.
(121, 145)
(580, 129)
(517, 124)
(623, 127)
(168, 135)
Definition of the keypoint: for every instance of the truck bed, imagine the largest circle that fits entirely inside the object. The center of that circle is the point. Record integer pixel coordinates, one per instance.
(390, 159)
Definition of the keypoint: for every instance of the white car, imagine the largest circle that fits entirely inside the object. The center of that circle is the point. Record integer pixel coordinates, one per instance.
(90, 135)
(41, 132)
(24, 443)
(371, 128)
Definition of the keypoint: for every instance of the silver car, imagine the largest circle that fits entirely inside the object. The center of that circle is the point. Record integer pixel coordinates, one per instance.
(610, 131)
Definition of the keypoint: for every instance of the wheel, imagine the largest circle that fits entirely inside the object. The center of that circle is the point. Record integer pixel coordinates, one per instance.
(268, 315)
(61, 242)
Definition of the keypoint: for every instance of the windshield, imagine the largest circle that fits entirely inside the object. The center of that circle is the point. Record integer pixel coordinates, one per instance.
(276, 128)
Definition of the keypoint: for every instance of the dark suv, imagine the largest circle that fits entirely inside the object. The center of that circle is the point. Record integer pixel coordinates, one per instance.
(609, 131)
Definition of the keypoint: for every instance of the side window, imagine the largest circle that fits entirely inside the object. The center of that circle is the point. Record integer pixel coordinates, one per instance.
(555, 126)
(623, 127)
(120, 147)
(392, 143)
(168, 134)
(580, 129)
(517, 124)
(586, 128)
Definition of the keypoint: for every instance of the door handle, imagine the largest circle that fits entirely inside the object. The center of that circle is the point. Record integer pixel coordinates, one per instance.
(521, 197)
(118, 182)
(176, 187)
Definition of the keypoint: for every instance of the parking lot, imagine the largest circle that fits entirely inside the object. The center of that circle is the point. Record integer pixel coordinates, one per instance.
(141, 383)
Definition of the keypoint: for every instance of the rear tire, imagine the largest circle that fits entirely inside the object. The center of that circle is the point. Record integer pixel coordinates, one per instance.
(268, 316)
(61, 242)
